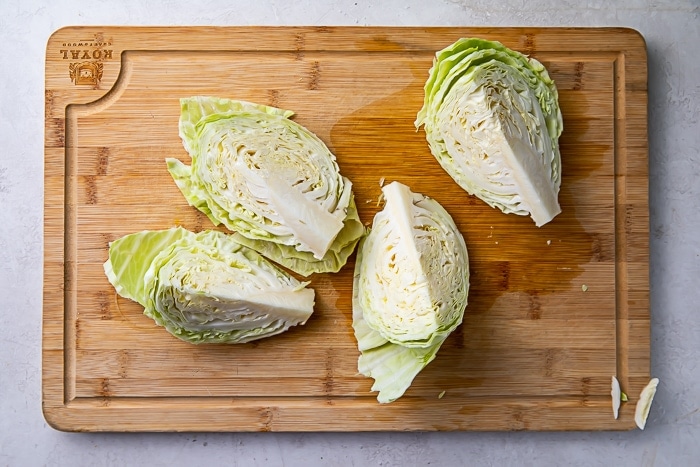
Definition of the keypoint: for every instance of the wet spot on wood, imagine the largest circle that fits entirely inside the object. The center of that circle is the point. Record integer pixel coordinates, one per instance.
(456, 339)
(602, 248)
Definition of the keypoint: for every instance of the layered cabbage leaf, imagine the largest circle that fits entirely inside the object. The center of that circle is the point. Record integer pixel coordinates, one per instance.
(410, 289)
(492, 120)
(206, 287)
(268, 179)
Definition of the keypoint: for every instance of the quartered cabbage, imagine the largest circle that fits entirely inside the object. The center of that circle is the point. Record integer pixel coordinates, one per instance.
(410, 289)
(206, 287)
(492, 120)
(269, 180)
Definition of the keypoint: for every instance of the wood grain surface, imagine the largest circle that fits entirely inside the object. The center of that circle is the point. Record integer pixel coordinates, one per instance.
(535, 351)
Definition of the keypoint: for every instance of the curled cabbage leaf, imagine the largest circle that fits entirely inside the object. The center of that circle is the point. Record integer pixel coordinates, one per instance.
(410, 289)
(206, 287)
(269, 180)
(492, 120)
(641, 410)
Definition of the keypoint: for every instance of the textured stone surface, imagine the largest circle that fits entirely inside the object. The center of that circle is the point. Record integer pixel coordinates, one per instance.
(672, 435)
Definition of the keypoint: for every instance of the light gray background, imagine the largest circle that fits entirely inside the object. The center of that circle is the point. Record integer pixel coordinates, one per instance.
(672, 436)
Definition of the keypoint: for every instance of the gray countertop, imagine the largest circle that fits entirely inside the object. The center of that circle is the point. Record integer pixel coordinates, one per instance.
(672, 436)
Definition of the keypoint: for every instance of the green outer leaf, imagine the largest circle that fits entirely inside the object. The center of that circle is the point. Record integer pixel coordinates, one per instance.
(194, 193)
(392, 366)
(194, 110)
(131, 256)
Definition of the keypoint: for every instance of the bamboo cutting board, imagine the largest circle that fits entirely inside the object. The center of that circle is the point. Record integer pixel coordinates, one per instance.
(535, 351)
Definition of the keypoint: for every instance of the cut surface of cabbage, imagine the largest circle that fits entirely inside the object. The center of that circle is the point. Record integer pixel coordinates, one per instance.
(410, 289)
(492, 120)
(206, 287)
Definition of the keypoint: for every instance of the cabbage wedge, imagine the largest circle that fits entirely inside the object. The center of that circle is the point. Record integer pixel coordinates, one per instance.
(269, 180)
(492, 120)
(410, 289)
(206, 287)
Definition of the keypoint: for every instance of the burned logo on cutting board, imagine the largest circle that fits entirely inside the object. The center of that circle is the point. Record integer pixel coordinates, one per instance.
(87, 57)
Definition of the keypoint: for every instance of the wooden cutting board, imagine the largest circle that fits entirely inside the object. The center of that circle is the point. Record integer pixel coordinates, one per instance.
(535, 351)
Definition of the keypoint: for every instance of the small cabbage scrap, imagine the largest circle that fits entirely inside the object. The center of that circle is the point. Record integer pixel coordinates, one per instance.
(206, 287)
(410, 289)
(269, 180)
(641, 410)
(492, 120)
(616, 395)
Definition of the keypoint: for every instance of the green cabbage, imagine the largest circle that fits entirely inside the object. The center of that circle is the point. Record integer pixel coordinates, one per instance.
(206, 287)
(410, 289)
(268, 179)
(492, 120)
